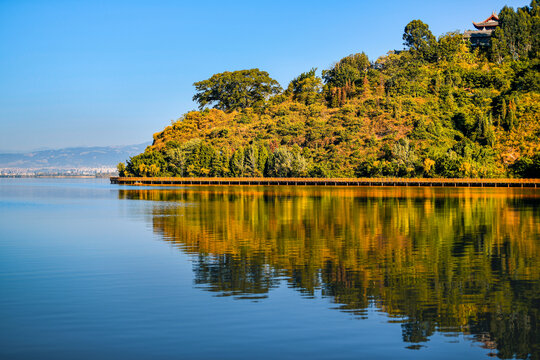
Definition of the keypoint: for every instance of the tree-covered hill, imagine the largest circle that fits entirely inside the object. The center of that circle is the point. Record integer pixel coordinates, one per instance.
(440, 108)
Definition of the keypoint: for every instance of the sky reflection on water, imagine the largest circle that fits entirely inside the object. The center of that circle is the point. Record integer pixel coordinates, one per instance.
(311, 272)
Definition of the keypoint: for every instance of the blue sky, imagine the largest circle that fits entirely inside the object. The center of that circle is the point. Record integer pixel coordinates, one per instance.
(83, 73)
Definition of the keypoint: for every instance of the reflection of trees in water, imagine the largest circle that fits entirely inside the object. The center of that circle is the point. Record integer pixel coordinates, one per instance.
(231, 276)
(450, 260)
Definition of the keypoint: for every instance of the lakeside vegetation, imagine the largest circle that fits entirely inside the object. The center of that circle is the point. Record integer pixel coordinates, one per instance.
(440, 108)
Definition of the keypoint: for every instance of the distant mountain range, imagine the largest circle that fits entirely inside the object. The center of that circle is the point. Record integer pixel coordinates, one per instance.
(71, 158)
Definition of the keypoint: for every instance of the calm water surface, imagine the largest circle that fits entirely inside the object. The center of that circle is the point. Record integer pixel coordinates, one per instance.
(89, 270)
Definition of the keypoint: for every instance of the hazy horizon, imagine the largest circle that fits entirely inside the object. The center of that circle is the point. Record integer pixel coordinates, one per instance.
(95, 74)
(48, 148)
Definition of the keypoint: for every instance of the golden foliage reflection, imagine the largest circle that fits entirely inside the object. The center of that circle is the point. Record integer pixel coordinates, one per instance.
(436, 259)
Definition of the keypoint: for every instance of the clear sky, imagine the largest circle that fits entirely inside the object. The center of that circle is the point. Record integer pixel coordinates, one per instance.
(106, 72)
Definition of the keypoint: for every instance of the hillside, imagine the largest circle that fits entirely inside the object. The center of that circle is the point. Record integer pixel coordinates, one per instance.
(440, 108)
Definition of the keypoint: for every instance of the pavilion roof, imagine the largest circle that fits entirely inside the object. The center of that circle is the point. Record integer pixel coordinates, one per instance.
(491, 21)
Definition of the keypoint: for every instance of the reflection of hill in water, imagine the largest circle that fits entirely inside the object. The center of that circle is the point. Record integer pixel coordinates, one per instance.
(451, 260)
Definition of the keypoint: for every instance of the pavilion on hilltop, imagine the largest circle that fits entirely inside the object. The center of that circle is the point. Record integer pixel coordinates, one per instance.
(481, 37)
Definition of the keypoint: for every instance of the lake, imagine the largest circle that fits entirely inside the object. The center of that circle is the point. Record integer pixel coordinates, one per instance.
(92, 270)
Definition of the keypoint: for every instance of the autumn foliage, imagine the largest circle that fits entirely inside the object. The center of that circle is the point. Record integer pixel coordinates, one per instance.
(440, 108)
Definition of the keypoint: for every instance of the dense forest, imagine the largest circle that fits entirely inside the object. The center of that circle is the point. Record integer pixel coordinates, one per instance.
(439, 108)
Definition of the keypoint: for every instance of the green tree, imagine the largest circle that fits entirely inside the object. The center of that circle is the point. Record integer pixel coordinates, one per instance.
(306, 88)
(262, 159)
(177, 161)
(216, 166)
(449, 46)
(485, 134)
(349, 70)
(147, 164)
(236, 90)
(121, 167)
(516, 34)
(237, 165)
(220, 164)
(192, 151)
(419, 39)
(281, 163)
(207, 153)
(251, 156)
(299, 166)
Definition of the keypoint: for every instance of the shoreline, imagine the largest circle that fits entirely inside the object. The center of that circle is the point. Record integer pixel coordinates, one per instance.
(372, 182)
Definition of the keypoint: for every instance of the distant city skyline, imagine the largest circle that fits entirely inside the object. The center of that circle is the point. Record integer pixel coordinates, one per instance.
(91, 73)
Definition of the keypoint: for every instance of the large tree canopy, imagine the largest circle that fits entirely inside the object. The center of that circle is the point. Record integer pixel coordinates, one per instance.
(235, 90)
(350, 69)
(418, 38)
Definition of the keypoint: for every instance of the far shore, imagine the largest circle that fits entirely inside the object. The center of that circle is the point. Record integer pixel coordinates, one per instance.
(101, 176)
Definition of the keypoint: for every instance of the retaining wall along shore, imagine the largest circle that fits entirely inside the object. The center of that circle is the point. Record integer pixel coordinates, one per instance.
(530, 183)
